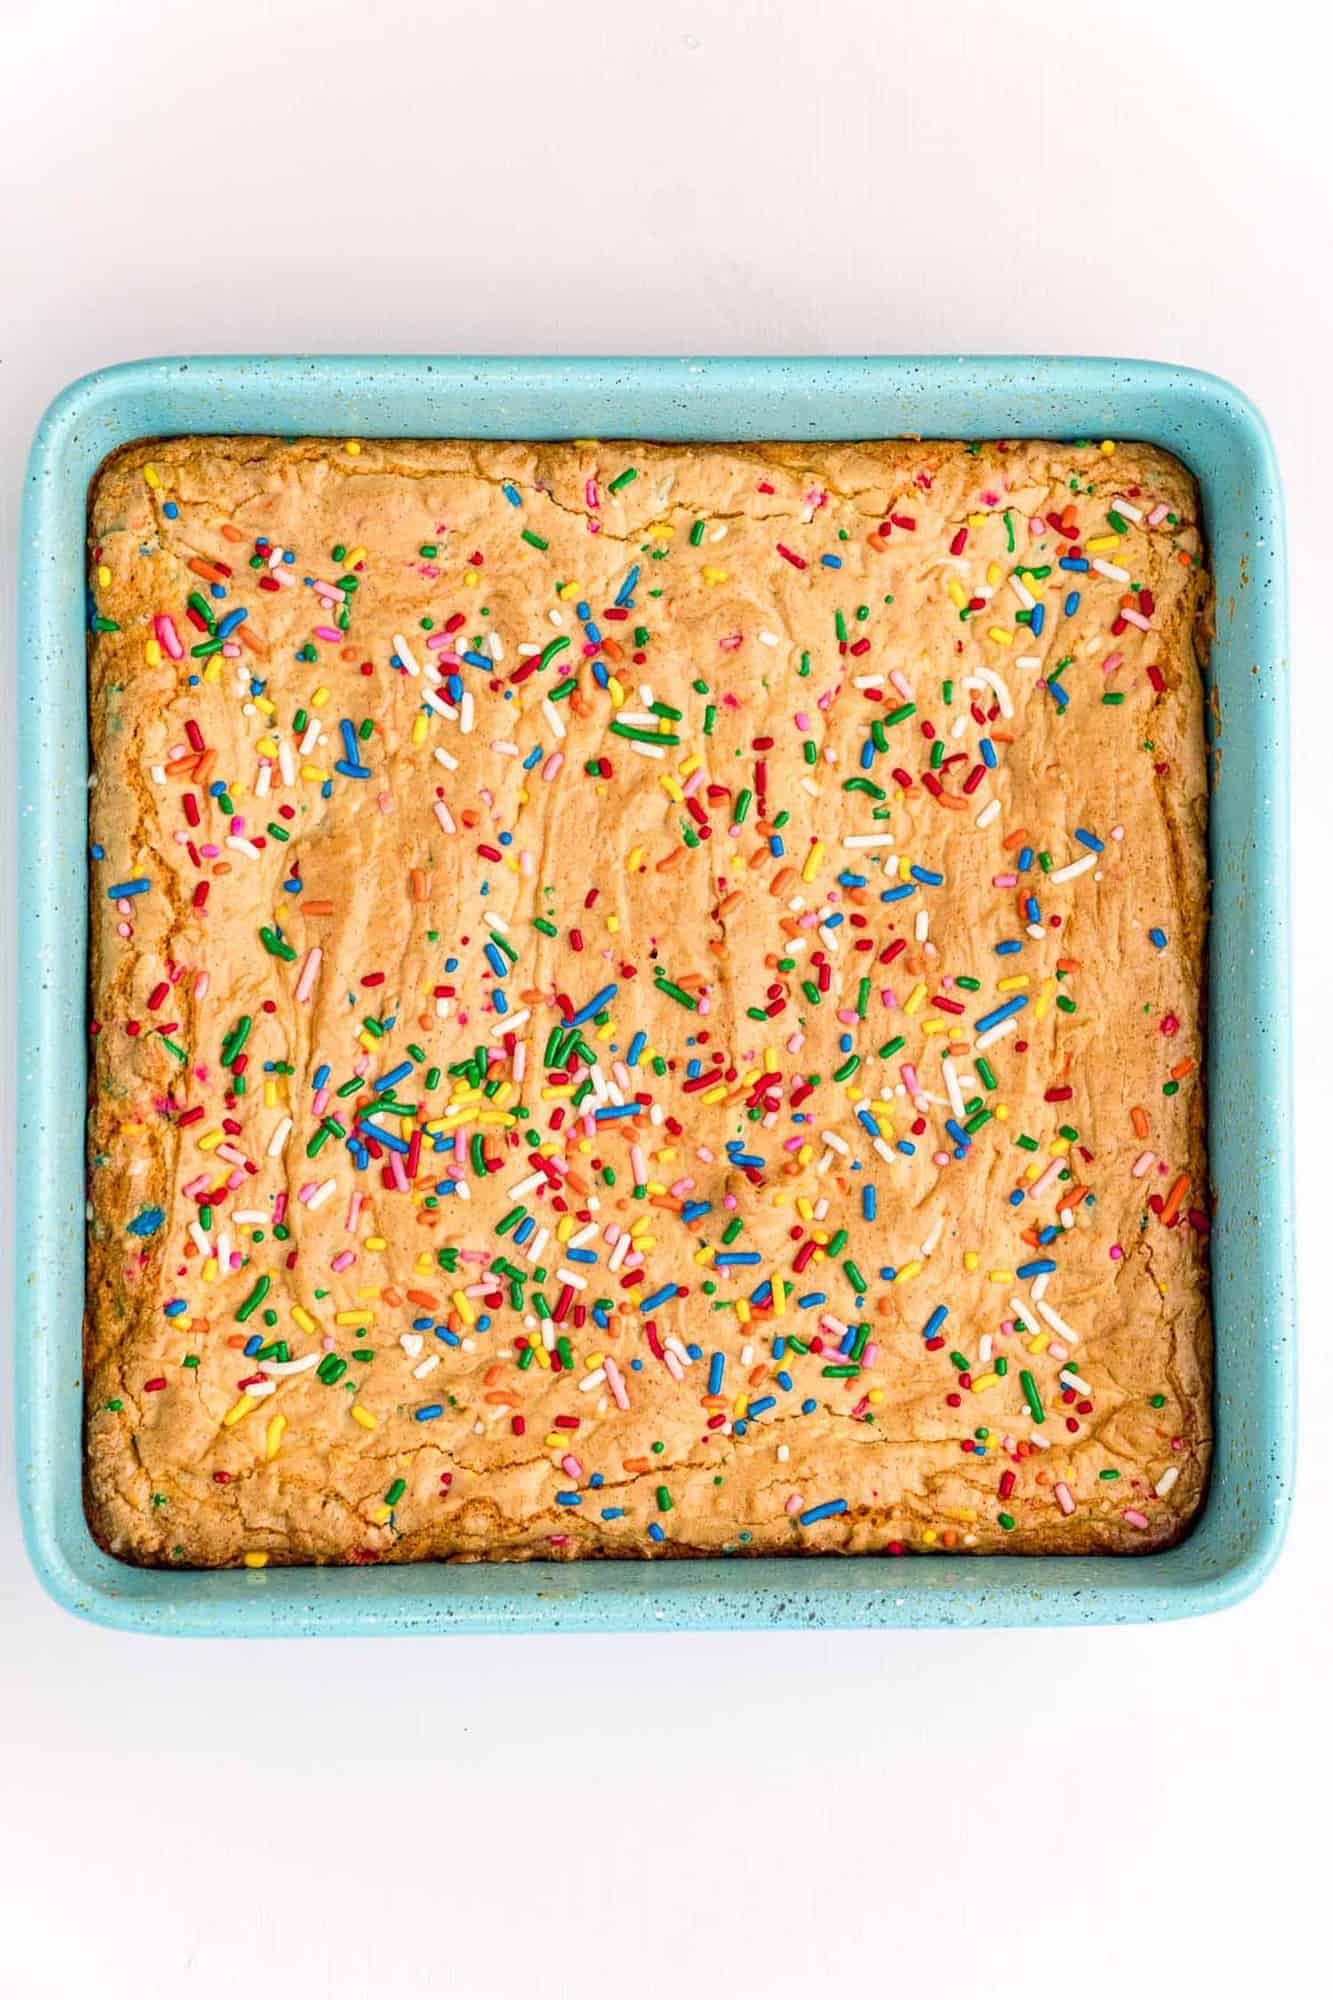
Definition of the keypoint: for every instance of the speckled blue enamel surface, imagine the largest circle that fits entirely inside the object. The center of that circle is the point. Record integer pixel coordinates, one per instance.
(1219, 435)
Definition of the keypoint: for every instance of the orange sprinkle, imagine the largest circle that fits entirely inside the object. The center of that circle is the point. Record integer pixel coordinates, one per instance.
(1138, 1118)
(313, 906)
(1183, 1068)
(669, 860)
(230, 534)
(207, 570)
(1016, 839)
(1171, 1206)
(635, 1464)
(420, 886)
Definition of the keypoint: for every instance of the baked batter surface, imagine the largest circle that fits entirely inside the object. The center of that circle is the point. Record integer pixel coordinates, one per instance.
(647, 1000)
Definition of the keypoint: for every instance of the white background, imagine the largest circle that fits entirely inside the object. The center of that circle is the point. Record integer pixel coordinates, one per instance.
(1079, 1813)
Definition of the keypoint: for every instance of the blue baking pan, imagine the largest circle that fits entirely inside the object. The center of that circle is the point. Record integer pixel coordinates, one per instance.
(1219, 435)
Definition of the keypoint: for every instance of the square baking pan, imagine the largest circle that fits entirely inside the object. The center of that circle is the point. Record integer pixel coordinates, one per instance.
(1218, 434)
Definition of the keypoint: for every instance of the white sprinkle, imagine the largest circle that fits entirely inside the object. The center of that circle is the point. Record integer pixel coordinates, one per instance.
(1072, 868)
(406, 655)
(1167, 1481)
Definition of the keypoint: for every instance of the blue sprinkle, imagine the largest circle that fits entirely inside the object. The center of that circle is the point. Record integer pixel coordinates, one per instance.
(1158, 938)
(1073, 562)
(1038, 619)
(1007, 945)
(757, 1409)
(613, 1513)
(1035, 1268)
(656, 1532)
(988, 757)
(428, 1412)
(822, 1512)
(135, 888)
(895, 895)
(147, 1222)
(658, 1298)
(1088, 839)
(927, 875)
(935, 1322)
(512, 494)
(1057, 694)
(1072, 602)
(569, 1499)
(998, 1014)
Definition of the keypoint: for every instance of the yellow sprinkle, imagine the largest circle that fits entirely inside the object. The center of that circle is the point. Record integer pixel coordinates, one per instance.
(980, 1383)
(1106, 446)
(1001, 1277)
(1096, 543)
(812, 861)
(320, 696)
(712, 574)
(353, 448)
(103, 575)
(671, 787)
(661, 531)
(381, 1513)
(1044, 999)
(357, 1318)
(616, 691)
(613, 925)
(914, 999)
(304, 1320)
(690, 766)
(273, 1431)
(1059, 1147)
(993, 573)
(376, 1242)
(465, 1309)
(419, 728)
(593, 1360)
(363, 1416)
(1000, 635)
(1014, 984)
(1039, 1343)
(207, 1140)
(970, 1260)
(935, 1028)
(912, 1270)
(213, 668)
(569, 591)
(715, 1095)
(977, 520)
(240, 1408)
(152, 652)
(210, 1270)
(264, 705)
(875, 1396)
(354, 556)
(957, 593)
(313, 774)
(742, 1311)
(805, 1208)
(255, 1559)
(152, 476)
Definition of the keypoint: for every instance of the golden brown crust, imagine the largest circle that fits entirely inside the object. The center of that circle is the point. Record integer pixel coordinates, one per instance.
(853, 562)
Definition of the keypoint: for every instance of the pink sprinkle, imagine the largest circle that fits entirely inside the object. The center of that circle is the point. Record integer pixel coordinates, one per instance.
(1064, 1496)
(329, 632)
(551, 768)
(794, 1503)
(342, 1260)
(801, 719)
(1004, 881)
(1135, 1519)
(165, 628)
(571, 1465)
